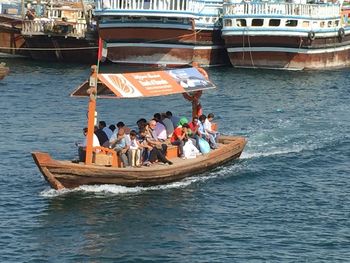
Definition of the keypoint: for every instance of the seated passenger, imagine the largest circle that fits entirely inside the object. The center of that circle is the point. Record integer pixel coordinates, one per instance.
(135, 150)
(168, 125)
(158, 130)
(209, 126)
(121, 147)
(82, 146)
(122, 125)
(102, 137)
(152, 153)
(112, 128)
(179, 138)
(204, 134)
(102, 125)
(154, 139)
(195, 134)
(175, 120)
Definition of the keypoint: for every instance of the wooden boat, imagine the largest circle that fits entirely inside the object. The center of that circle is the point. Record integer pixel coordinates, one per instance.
(65, 32)
(162, 32)
(3, 70)
(287, 35)
(102, 165)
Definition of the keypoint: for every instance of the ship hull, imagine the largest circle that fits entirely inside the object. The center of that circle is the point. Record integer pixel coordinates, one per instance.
(12, 42)
(293, 53)
(63, 49)
(164, 46)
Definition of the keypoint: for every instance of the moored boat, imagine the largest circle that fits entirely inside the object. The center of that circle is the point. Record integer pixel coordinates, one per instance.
(162, 32)
(12, 43)
(284, 35)
(102, 165)
(61, 31)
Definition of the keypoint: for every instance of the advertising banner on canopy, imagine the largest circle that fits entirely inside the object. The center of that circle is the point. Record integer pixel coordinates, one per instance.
(149, 84)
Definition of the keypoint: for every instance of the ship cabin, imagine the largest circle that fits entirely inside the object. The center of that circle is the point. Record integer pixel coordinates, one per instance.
(284, 19)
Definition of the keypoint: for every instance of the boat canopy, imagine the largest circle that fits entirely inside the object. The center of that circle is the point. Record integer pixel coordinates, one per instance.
(146, 84)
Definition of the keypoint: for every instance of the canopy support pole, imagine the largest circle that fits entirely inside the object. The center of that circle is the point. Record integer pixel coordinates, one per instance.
(92, 91)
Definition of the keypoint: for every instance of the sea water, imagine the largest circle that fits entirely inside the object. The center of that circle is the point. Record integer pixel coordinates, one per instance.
(287, 199)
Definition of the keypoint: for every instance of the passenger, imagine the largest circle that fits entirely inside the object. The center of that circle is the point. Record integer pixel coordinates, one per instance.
(175, 120)
(168, 125)
(82, 146)
(102, 137)
(158, 118)
(195, 134)
(152, 153)
(204, 134)
(143, 134)
(112, 128)
(141, 123)
(102, 125)
(122, 125)
(180, 137)
(158, 130)
(135, 150)
(209, 126)
(121, 147)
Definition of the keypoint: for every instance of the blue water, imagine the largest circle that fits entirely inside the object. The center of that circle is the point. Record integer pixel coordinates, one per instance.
(286, 200)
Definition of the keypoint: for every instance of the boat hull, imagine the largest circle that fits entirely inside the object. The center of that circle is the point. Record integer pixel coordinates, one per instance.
(12, 42)
(291, 53)
(164, 46)
(65, 174)
(63, 49)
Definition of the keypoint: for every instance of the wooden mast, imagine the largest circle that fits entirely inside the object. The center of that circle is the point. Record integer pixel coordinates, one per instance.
(92, 91)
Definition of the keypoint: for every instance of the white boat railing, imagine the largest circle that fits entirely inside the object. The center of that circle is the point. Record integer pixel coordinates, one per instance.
(52, 27)
(284, 9)
(182, 6)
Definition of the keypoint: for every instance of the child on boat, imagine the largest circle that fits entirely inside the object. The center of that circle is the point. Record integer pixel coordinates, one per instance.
(135, 150)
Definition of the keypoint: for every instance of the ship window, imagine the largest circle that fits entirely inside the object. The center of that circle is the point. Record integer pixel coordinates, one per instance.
(306, 23)
(336, 22)
(274, 22)
(329, 23)
(315, 24)
(322, 24)
(257, 22)
(241, 22)
(228, 22)
(291, 22)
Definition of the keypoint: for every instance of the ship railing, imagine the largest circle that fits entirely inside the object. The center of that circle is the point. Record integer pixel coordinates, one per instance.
(175, 6)
(285, 9)
(53, 27)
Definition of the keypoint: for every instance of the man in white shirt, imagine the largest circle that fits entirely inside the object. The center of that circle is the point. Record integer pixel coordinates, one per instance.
(82, 146)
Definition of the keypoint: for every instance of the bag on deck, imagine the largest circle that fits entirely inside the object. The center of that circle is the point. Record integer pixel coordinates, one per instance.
(190, 151)
(204, 146)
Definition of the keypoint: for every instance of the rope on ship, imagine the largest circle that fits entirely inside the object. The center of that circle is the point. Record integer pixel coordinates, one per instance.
(185, 35)
(48, 49)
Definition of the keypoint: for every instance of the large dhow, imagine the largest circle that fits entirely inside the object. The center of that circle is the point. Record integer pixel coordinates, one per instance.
(102, 165)
(286, 35)
(60, 31)
(162, 32)
(12, 43)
